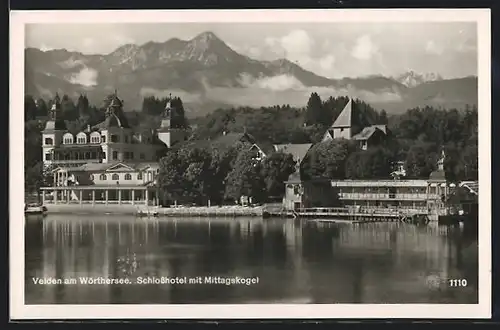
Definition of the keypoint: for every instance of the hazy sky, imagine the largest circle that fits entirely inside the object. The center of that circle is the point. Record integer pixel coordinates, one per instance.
(332, 49)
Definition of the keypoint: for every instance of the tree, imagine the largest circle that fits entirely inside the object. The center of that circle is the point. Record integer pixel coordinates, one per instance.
(178, 117)
(275, 169)
(30, 108)
(421, 160)
(383, 120)
(42, 108)
(328, 159)
(314, 111)
(244, 179)
(374, 163)
(68, 109)
(82, 106)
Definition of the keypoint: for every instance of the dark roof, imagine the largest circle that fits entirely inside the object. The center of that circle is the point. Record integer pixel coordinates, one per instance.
(57, 125)
(367, 132)
(111, 121)
(97, 167)
(437, 175)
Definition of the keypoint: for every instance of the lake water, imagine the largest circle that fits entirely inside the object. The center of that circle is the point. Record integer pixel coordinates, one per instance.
(289, 261)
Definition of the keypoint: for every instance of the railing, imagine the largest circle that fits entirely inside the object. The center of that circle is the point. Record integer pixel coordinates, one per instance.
(75, 161)
(379, 196)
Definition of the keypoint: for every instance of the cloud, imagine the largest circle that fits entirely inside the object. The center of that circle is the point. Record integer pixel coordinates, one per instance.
(45, 48)
(432, 47)
(327, 63)
(365, 48)
(86, 77)
(275, 83)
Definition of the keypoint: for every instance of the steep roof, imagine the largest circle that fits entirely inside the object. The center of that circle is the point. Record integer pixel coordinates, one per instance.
(367, 132)
(111, 121)
(345, 117)
(298, 151)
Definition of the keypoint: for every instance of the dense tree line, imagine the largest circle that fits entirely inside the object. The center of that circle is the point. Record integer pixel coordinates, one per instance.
(415, 137)
(200, 175)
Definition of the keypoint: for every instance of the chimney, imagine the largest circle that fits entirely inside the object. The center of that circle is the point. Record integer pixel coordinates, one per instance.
(88, 128)
(224, 133)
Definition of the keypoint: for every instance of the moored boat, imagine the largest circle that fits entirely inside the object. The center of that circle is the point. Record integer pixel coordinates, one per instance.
(35, 208)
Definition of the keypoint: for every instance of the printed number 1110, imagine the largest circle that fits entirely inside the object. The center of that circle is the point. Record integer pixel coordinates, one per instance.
(457, 282)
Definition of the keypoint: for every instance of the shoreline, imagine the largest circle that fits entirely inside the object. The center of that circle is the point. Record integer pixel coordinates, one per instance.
(128, 209)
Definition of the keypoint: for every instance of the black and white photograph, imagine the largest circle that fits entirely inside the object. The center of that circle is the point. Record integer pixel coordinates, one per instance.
(271, 163)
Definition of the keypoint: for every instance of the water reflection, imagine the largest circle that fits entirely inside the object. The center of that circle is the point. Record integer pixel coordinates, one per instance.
(295, 261)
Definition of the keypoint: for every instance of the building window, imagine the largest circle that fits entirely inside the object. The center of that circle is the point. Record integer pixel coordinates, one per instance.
(115, 177)
(103, 155)
(68, 140)
(142, 156)
(115, 155)
(95, 138)
(81, 140)
(131, 155)
(47, 157)
(103, 177)
(49, 141)
(126, 139)
(139, 176)
(128, 176)
(114, 138)
(103, 138)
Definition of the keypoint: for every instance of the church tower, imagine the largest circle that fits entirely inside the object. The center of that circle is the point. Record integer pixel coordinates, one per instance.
(342, 127)
(53, 132)
(164, 132)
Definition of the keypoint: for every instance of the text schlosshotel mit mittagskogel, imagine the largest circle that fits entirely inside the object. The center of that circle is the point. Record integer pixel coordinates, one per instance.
(100, 280)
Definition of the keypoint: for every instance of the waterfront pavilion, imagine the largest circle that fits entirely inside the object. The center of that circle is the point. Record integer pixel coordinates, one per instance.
(101, 194)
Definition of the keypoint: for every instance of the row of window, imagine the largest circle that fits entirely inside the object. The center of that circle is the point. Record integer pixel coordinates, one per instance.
(128, 155)
(116, 177)
(94, 138)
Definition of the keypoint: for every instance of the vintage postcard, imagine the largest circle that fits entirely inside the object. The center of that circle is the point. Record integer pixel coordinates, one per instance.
(250, 164)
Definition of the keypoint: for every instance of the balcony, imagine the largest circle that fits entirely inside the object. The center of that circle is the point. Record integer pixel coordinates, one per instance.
(380, 196)
(75, 161)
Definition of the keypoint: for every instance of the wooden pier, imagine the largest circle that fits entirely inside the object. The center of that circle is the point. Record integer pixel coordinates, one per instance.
(343, 214)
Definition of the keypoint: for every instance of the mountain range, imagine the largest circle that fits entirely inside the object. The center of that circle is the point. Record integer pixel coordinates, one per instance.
(206, 73)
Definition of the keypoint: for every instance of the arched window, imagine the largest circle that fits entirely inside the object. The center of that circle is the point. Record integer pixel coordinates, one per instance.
(128, 176)
(139, 176)
(103, 177)
(68, 138)
(81, 138)
(95, 137)
(115, 177)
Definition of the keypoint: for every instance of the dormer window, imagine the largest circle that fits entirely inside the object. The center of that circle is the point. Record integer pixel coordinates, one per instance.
(95, 138)
(81, 138)
(115, 138)
(68, 138)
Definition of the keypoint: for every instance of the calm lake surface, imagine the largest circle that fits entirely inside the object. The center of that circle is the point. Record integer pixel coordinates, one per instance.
(294, 261)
